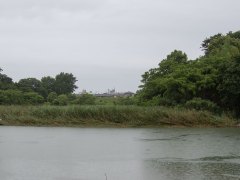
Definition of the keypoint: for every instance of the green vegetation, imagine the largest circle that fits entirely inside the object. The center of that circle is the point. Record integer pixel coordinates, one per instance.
(177, 92)
(114, 116)
(32, 91)
(211, 82)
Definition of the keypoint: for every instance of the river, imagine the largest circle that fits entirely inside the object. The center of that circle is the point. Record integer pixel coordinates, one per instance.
(34, 153)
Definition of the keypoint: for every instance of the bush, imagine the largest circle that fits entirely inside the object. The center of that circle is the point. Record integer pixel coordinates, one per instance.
(51, 97)
(11, 97)
(158, 101)
(33, 98)
(202, 104)
(126, 101)
(72, 97)
(85, 99)
(61, 100)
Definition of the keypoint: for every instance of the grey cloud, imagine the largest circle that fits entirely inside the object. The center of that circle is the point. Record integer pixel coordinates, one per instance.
(21, 7)
(90, 37)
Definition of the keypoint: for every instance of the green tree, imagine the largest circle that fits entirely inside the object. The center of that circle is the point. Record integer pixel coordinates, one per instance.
(65, 83)
(211, 78)
(222, 45)
(32, 85)
(229, 88)
(158, 82)
(48, 83)
(5, 82)
(166, 66)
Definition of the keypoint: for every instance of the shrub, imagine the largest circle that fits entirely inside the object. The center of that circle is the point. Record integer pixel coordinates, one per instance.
(51, 97)
(61, 100)
(33, 98)
(85, 99)
(127, 101)
(72, 97)
(159, 101)
(11, 97)
(202, 104)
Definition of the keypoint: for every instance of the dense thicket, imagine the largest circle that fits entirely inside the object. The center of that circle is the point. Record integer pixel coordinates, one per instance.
(211, 81)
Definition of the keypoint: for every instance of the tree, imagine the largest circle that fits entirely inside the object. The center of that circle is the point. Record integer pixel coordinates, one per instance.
(65, 83)
(166, 66)
(222, 46)
(158, 81)
(32, 85)
(5, 82)
(48, 83)
(213, 78)
(229, 88)
(209, 43)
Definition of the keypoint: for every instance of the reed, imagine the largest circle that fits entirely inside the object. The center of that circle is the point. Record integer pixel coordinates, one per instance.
(113, 116)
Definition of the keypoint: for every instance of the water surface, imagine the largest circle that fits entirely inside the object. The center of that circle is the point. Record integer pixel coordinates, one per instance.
(29, 153)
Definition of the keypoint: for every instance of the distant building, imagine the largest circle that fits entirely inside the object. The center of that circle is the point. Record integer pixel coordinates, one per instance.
(113, 93)
(84, 91)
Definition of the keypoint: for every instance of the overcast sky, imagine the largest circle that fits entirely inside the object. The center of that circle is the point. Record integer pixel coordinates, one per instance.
(105, 43)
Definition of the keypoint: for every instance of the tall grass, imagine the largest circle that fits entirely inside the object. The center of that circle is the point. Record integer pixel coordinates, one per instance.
(125, 116)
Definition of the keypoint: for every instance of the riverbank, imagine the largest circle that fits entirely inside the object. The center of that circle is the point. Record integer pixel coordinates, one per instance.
(109, 116)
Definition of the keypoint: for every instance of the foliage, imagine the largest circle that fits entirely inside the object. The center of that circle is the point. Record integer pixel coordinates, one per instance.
(34, 91)
(31, 85)
(5, 82)
(202, 104)
(229, 88)
(210, 82)
(105, 116)
(65, 83)
(16, 97)
(127, 101)
(61, 100)
(33, 98)
(51, 97)
(85, 99)
(48, 83)
(11, 97)
(110, 101)
(166, 66)
(72, 98)
(213, 77)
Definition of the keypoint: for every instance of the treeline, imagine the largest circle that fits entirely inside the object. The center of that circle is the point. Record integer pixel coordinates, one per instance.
(58, 90)
(210, 82)
(55, 90)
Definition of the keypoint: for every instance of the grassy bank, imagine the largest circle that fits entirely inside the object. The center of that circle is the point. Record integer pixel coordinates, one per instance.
(109, 116)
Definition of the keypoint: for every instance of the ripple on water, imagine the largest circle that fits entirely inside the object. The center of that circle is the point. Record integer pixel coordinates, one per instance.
(202, 168)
